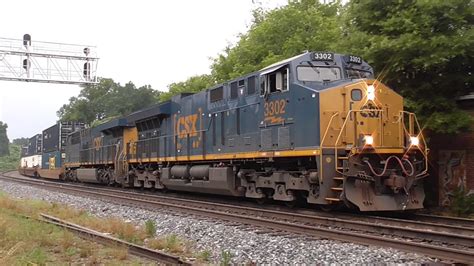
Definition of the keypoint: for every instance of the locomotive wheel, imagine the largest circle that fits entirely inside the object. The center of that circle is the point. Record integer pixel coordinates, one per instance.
(329, 207)
(291, 204)
(261, 201)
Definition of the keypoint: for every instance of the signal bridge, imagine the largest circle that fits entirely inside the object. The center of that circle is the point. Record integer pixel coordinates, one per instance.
(48, 62)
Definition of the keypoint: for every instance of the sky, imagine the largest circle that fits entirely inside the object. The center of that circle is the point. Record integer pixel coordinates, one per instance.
(147, 42)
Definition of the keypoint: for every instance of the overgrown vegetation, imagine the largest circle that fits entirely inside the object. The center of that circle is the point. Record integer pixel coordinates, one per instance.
(53, 240)
(462, 203)
(29, 242)
(11, 162)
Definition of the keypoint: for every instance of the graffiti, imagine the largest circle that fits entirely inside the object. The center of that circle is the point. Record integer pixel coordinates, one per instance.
(452, 174)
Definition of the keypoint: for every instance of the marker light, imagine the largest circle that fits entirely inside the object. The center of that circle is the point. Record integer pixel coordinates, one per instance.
(369, 140)
(371, 92)
(414, 141)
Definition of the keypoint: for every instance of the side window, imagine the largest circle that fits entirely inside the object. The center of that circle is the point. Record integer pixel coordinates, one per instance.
(217, 94)
(251, 85)
(276, 81)
(234, 93)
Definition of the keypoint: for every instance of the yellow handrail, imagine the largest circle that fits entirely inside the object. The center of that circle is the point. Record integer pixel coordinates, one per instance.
(321, 146)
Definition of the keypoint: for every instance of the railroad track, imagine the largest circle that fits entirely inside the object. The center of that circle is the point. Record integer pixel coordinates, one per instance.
(437, 239)
(134, 249)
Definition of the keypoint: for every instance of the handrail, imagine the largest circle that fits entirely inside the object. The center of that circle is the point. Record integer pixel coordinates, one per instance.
(425, 147)
(403, 132)
(321, 146)
(342, 128)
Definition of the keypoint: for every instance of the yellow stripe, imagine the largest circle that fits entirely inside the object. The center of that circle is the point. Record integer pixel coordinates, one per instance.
(379, 150)
(232, 156)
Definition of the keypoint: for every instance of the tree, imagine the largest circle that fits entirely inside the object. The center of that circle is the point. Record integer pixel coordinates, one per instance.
(278, 34)
(4, 142)
(423, 49)
(192, 84)
(22, 142)
(107, 100)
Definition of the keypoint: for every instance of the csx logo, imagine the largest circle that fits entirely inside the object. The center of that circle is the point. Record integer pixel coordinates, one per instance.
(97, 143)
(187, 125)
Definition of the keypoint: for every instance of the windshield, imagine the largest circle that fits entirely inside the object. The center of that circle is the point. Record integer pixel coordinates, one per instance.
(358, 74)
(314, 73)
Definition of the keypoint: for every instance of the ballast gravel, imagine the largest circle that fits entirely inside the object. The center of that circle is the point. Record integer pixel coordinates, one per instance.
(244, 244)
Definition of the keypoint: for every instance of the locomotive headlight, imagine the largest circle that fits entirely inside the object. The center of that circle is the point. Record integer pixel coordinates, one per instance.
(369, 140)
(415, 141)
(371, 92)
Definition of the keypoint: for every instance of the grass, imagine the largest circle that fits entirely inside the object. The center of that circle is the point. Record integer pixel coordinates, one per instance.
(49, 244)
(26, 241)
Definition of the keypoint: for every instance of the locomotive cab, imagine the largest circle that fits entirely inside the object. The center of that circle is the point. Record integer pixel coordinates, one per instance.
(370, 153)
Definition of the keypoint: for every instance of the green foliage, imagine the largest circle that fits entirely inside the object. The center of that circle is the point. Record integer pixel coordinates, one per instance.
(22, 142)
(423, 49)
(192, 84)
(205, 255)
(4, 151)
(11, 161)
(150, 228)
(462, 203)
(107, 100)
(226, 257)
(278, 34)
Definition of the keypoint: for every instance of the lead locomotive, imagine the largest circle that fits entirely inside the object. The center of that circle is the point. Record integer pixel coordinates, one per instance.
(315, 127)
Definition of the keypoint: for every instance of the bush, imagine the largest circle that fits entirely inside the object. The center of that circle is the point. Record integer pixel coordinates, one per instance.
(462, 203)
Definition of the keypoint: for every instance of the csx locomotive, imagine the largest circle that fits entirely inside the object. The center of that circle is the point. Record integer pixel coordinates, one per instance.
(316, 127)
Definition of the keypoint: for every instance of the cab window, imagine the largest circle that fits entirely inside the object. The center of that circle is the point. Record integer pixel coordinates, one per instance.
(276, 81)
(315, 73)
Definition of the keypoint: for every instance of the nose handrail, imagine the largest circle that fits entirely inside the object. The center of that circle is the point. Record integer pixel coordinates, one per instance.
(404, 133)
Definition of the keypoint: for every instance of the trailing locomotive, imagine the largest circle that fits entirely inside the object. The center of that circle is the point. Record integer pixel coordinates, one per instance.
(315, 127)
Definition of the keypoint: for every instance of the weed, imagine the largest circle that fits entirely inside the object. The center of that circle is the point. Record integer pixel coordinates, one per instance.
(173, 243)
(226, 257)
(204, 255)
(150, 228)
(67, 240)
(119, 252)
(85, 251)
(70, 252)
(463, 203)
(37, 256)
(170, 243)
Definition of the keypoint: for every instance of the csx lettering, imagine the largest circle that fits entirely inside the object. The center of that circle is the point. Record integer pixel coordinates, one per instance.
(372, 112)
(187, 125)
(275, 107)
(97, 143)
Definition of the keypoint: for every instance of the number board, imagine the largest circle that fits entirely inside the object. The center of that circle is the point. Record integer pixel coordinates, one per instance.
(354, 59)
(322, 56)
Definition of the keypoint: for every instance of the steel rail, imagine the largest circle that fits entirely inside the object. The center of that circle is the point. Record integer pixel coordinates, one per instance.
(259, 217)
(96, 236)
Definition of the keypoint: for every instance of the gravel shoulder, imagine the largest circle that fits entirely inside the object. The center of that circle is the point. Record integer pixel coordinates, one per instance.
(245, 244)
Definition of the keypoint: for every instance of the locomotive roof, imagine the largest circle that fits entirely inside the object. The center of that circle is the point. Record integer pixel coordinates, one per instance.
(155, 110)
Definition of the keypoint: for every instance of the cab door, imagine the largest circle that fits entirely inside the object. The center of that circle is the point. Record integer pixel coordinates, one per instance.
(275, 123)
(363, 115)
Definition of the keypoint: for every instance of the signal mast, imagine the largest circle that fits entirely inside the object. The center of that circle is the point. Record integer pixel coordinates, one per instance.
(47, 62)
